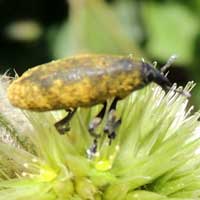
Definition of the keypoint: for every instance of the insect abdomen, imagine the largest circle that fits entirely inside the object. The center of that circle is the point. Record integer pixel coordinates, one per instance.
(89, 81)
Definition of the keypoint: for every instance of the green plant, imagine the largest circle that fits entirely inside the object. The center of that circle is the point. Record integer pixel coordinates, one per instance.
(155, 155)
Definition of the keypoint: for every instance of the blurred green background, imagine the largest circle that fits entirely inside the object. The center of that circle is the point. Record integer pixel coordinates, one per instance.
(36, 31)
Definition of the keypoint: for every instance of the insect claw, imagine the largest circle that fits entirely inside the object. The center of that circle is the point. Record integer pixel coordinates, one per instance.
(106, 129)
(92, 128)
(111, 137)
(62, 129)
(110, 129)
(62, 126)
(92, 150)
(97, 121)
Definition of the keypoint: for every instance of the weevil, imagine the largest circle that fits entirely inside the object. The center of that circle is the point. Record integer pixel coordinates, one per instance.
(84, 81)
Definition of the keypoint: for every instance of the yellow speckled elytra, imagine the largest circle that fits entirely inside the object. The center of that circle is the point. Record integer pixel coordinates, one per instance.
(78, 81)
(83, 81)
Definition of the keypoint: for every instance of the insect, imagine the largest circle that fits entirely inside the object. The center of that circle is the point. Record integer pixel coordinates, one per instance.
(84, 81)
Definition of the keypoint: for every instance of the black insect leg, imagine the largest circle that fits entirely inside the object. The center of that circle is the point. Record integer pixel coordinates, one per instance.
(112, 121)
(62, 126)
(93, 126)
(96, 121)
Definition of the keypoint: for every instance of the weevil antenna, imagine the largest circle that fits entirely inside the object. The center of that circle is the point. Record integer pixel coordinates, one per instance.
(171, 60)
(182, 92)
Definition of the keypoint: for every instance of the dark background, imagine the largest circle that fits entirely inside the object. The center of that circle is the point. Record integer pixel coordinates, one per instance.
(37, 31)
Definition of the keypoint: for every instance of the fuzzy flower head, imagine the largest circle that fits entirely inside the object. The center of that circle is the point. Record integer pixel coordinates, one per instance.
(155, 154)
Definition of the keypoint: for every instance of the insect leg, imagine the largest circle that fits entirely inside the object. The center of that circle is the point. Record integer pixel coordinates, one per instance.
(63, 125)
(96, 121)
(112, 121)
(92, 130)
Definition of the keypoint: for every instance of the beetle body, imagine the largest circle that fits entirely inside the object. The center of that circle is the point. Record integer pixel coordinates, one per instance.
(81, 81)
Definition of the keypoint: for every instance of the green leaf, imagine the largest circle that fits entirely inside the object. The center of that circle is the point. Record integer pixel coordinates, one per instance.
(172, 28)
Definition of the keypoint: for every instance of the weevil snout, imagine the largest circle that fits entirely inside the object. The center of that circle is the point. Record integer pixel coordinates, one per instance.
(151, 74)
(154, 75)
(167, 85)
(162, 80)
